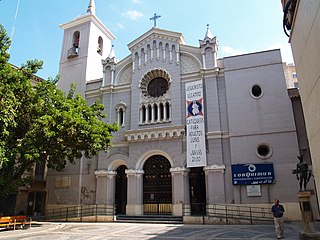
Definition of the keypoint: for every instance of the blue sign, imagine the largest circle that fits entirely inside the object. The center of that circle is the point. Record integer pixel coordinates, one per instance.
(252, 174)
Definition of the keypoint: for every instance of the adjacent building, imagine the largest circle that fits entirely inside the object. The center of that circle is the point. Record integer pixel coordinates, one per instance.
(301, 24)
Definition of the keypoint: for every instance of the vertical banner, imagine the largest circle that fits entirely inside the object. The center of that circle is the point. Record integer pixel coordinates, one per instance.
(196, 147)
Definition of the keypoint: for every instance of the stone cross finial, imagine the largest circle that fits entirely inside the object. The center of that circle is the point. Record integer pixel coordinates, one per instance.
(154, 18)
(91, 7)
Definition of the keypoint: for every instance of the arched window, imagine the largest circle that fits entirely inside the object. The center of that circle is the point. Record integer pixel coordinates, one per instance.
(155, 106)
(161, 112)
(76, 39)
(168, 110)
(74, 50)
(100, 45)
(149, 113)
(121, 113)
(143, 113)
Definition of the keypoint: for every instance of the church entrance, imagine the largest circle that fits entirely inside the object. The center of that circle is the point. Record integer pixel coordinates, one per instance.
(157, 186)
(197, 191)
(121, 190)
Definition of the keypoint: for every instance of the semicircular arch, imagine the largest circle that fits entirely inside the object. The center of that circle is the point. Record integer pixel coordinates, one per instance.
(115, 164)
(124, 75)
(189, 63)
(144, 157)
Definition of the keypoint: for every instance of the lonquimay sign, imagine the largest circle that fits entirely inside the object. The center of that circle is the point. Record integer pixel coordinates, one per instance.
(252, 174)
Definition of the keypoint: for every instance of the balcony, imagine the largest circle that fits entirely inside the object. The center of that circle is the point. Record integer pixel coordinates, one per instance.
(73, 52)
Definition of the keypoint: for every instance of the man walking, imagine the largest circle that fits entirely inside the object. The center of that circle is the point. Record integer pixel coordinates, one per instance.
(278, 210)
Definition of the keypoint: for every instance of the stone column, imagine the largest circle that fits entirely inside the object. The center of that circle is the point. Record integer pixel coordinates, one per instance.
(145, 58)
(159, 112)
(158, 53)
(215, 186)
(118, 117)
(178, 57)
(152, 113)
(141, 115)
(135, 192)
(106, 188)
(133, 64)
(151, 54)
(101, 191)
(112, 74)
(111, 186)
(147, 114)
(164, 53)
(139, 61)
(180, 191)
(203, 60)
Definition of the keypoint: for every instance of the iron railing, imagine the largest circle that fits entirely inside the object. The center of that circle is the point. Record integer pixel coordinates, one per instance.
(79, 213)
(229, 213)
(210, 213)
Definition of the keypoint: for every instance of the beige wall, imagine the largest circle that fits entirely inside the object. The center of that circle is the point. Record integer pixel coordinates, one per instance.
(305, 39)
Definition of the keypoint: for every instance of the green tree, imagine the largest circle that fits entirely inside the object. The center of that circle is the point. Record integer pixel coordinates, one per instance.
(41, 124)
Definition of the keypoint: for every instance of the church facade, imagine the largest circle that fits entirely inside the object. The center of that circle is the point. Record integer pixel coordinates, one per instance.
(239, 149)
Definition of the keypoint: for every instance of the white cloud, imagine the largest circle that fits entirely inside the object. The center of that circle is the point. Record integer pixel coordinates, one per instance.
(229, 51)
(119, 25)
(132, 14)
(137, 1)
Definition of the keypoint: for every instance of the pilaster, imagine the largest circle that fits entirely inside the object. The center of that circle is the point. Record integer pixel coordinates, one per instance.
(215, 192)
(135, 192)
(180, 190)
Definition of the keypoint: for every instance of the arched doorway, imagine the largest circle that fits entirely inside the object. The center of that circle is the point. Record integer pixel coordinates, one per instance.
(157, 186)
(197, 191)
(121, 190)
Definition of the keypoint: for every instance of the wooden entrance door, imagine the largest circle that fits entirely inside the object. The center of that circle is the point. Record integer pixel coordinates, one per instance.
(121, 190)
(157, 186)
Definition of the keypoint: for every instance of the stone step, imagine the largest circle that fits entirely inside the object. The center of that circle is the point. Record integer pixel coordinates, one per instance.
(150, 219)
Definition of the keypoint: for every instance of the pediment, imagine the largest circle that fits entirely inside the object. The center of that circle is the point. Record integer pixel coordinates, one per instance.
(156, 33)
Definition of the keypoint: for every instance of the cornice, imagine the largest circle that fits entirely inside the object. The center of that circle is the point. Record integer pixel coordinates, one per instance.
(143, 135)
(154, 33)
(217, 134)
(179, 171)
(87, 18)
(214, 168)
(108, 89)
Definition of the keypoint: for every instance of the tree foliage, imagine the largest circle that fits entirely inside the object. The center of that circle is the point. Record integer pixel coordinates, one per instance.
(41, 124)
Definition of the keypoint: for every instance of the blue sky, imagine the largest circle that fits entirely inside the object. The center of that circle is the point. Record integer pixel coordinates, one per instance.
(241, 26)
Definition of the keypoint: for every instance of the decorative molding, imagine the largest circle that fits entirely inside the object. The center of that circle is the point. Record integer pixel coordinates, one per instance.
(101, 173)
(156, 33)
(122, 105)
(146, 155)
(179, 171)
(134, 172)
(155, 134)
(217, 134)
(189, 64)
(111, 174)
(214, 168)
(149, 76)
(125, 76)
(89, 18)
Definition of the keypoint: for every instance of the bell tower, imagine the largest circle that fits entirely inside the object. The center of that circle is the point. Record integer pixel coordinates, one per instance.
(86, 42)
(209, 50)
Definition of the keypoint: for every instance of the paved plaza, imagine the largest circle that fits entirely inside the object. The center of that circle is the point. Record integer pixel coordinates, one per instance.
(135, 231)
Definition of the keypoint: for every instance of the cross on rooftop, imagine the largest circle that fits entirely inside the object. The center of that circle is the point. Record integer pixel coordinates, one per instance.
(154, 18)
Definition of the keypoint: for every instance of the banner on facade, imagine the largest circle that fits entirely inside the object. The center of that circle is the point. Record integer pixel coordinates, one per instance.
(252, 174)
(196, 147)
